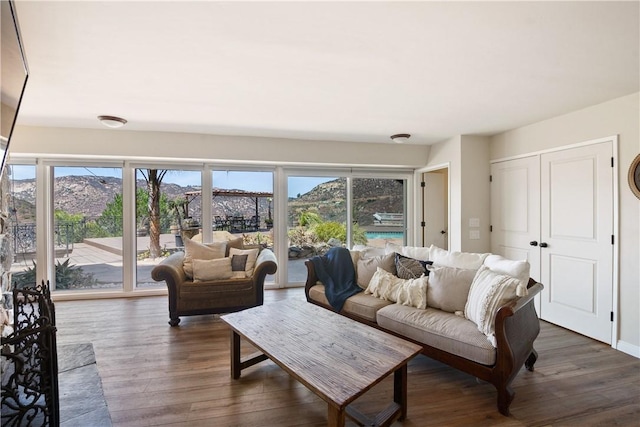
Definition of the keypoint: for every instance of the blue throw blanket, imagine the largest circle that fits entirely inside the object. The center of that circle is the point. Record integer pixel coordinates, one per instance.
(335, 270)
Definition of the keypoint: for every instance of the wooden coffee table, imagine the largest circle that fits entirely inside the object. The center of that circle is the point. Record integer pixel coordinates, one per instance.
(337, 358)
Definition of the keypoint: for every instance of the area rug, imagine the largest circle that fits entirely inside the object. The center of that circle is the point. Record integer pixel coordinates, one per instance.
(82, 401)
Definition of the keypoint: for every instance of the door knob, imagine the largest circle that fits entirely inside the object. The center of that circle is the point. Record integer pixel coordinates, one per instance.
(443, 232)
(543, 245)
(533, 243)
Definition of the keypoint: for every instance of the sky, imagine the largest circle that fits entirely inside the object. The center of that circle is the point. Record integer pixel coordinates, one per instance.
(243, 180)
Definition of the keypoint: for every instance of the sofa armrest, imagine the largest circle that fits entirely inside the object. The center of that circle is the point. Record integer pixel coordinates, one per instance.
(265, 264)
(517, 326)
(170, 270)
(312, 278)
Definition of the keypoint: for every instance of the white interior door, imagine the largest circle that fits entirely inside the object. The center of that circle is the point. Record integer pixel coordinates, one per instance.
(436, 209)
(576, 239)
(515, 210)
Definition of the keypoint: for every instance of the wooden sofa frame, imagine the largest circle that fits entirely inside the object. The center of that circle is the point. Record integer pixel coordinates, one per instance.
(516, 327)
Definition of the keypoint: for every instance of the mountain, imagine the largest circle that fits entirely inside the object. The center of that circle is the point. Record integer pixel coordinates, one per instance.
(89, 195)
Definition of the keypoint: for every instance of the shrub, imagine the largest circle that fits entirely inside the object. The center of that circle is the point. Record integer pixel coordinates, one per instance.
(68, 276)
(331, 229)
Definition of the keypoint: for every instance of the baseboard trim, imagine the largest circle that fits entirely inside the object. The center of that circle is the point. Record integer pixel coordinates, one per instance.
(630, 349)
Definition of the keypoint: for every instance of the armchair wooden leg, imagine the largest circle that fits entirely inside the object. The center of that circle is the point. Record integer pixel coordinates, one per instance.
(174, 321)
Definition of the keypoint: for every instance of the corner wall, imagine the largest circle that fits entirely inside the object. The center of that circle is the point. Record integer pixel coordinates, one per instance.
(469, 169)
(617, 117)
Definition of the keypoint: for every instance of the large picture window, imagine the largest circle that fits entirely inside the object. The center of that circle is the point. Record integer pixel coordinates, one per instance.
(107, 227)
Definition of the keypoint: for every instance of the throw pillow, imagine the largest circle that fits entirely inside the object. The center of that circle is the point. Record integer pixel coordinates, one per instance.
(194, 250)
(366, 268)
(238, 264)
(468, 260)
(211, 269)
(488, 292)
(368, 251)
(415, 252)
(448, 288)
(383, 285)
(234, 243)
(252, 256)
(410, 268)
(517, 269)
(387, 286)
(413, 292)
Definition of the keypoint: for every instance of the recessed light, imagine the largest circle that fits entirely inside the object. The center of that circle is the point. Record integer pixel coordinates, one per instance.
(112, 121)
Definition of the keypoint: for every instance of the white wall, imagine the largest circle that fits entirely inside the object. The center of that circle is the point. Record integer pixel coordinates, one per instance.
(617, 117)
(476, 192)
(121, 143)
(469, 170)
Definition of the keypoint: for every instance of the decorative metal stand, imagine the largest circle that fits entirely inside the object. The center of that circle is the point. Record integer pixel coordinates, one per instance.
(30, 378)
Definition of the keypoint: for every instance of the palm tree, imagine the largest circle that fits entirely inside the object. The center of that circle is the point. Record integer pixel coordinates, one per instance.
(154, 178)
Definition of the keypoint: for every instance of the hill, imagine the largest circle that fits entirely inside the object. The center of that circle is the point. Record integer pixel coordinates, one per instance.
(89, 195)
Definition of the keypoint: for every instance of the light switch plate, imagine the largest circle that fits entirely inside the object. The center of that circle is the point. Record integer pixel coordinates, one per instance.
(474, 234)
(474, 222)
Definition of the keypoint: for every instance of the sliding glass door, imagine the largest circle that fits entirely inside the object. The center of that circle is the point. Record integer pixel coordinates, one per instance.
(379, 215)
(168, 210)
(87, 234)
(316, 220)
(242, 206)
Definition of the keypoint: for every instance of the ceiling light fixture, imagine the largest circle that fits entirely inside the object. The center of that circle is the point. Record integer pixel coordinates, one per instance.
(112, 121)
(400, 138)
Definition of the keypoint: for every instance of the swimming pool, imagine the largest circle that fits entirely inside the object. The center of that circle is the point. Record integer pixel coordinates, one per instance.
(384, 234)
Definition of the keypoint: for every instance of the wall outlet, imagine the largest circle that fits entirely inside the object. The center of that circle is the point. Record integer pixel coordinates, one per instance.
(474, 234)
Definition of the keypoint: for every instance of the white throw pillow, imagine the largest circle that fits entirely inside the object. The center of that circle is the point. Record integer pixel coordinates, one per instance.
(415, 252)
(252, 256)
(194, 250)
(211, 269)
(488, 292)
(468, 260)
(517, 269)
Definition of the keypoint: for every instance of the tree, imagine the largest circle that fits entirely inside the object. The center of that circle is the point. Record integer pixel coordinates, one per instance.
(111, 218)
(154, 178)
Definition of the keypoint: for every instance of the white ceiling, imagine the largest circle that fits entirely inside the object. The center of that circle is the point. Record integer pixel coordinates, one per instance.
(348, 71)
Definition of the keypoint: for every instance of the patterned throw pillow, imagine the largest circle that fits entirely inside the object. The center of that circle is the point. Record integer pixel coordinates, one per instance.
(488, 292)
(409, 268)
(387, 286)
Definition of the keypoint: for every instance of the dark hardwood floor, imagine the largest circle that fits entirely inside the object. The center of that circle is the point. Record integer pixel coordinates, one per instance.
(153, 374)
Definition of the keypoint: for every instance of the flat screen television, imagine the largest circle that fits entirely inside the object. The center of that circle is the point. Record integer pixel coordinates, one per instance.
(13, 75)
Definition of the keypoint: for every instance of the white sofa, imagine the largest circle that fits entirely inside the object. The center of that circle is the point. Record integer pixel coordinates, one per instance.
(474, 312)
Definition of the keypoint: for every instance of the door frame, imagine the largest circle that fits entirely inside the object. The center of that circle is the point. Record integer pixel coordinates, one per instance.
(615, 302)
(418, 232)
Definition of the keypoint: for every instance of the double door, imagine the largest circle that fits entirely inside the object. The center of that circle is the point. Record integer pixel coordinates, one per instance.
(556, 210)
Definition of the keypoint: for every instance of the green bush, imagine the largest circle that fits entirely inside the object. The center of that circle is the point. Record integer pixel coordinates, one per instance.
(330, 230)
(68, 276)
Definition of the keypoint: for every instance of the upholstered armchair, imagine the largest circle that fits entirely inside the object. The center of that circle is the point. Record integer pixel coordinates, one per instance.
(202, 286)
